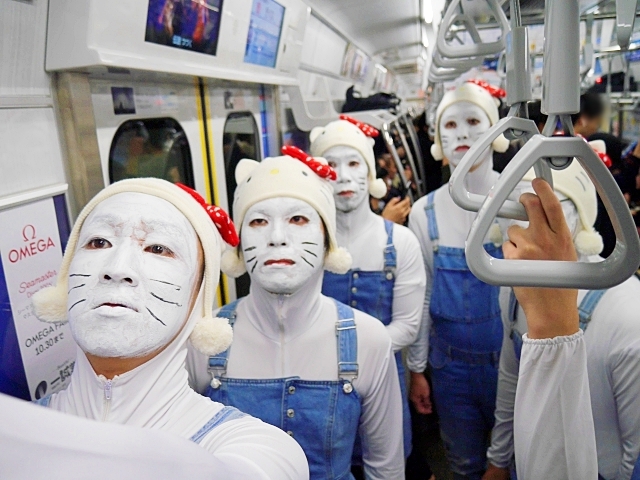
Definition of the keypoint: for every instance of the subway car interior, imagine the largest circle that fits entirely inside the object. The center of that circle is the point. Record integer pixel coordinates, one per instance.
(406, 213)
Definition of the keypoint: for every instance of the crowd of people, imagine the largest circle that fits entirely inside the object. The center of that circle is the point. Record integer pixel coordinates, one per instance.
(304, 377)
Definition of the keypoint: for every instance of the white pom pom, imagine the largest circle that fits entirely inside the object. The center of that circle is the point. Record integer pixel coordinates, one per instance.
(50, 304)
(338, 261)
(377, 188)
(212, 335)
(500, 144)
(588, 242)
(495, 235)
(232, 264)
(436, 151)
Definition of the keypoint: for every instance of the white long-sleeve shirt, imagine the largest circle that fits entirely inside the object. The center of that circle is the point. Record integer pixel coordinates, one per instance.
(363, 234)
(156, 395)
(278, 336)
(553, 428)
(613, 351)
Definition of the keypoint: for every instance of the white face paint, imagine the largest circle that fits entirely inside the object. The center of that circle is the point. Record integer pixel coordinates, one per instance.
(351, 187)
(461, 125)
(132, 276)
(282, 243)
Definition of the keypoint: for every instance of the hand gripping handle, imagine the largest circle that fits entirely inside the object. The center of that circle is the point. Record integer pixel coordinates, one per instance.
(619, 266)
(478, 48)
(472, 201)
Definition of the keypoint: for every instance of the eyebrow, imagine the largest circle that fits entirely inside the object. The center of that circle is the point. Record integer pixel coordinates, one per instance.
(114, 221)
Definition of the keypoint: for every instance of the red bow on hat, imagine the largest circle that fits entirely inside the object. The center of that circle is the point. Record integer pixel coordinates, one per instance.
(321, 169)
(494, 91)
(218, 216)
(367, 129)
(606, 159)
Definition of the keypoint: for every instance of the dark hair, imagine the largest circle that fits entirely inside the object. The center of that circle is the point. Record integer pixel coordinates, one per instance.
(591, 106)
(421, 121)
(535, 112)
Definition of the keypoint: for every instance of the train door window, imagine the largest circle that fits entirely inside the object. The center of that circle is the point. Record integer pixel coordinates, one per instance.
(154, 147)
(241, 139)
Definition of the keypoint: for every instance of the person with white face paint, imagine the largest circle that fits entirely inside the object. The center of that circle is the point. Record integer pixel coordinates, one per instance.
(387, 279)
(316, 368)
(609, 319)
(461, 331)
(137, 281)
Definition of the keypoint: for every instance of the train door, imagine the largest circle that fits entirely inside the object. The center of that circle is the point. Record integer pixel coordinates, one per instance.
(239, 117)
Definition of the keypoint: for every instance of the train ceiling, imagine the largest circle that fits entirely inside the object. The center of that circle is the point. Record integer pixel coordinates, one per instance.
(391, 30)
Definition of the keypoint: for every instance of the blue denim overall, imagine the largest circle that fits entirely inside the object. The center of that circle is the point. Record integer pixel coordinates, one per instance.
(372, 293)
(322, 416)
(465, 341)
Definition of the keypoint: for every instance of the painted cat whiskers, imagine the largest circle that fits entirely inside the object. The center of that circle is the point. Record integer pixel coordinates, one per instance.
(137, 273)
(285, 239)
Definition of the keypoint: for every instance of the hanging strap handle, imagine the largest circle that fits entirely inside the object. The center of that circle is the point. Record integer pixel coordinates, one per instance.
(619, 266)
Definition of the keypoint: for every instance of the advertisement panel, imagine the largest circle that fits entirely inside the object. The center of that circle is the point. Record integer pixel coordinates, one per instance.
(36, 358)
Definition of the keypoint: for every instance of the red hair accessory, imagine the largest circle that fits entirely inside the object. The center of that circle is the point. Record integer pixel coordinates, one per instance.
(494, 91)
(367, 129)
(321, 169)
(218, 216)
(606, 159)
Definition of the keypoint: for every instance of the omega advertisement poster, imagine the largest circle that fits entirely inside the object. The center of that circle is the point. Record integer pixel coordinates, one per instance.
(36, 358)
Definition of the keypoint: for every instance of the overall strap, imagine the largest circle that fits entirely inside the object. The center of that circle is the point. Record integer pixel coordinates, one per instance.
(347, 346)
(218, 363)
(431, 218)
(588, 305)
(390, 256)
(224, 415)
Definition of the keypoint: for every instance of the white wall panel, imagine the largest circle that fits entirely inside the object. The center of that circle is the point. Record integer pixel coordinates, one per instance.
(30, 150)
(322, 48)
(23, 28)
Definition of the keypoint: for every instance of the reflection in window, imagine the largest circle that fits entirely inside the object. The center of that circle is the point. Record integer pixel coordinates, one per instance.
(241, 139)
(155, 147)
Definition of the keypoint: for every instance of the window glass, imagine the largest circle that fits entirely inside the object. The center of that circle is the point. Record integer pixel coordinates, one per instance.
(241, 139)
(155, 147)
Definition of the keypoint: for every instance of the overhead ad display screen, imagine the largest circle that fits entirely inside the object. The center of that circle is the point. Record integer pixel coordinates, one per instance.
(264, 33)
(187, 24)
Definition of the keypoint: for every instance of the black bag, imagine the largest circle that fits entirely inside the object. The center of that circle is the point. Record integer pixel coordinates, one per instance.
(378, 101)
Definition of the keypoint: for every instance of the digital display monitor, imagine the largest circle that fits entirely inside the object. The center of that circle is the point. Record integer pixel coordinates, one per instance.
(264, 33)
(187, 24)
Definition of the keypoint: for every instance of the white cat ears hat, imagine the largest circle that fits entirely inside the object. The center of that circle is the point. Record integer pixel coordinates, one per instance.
(350, 133)
(304, 178)
(210, 335)
(468, 92)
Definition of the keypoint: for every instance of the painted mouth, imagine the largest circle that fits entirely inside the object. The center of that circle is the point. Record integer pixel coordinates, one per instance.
(116, 305)
(347, 193)
(462, 148)
(280, 261)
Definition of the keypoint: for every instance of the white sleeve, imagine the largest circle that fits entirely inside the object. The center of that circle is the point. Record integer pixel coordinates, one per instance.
(625, 381)
(554, 436)
(418, 353)
(257, 449)
(381, 416)
(500, 452)
(408, 290)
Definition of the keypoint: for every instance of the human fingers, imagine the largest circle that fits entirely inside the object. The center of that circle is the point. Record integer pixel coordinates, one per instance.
(551, 206)
(393, 201)
(535, 212)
